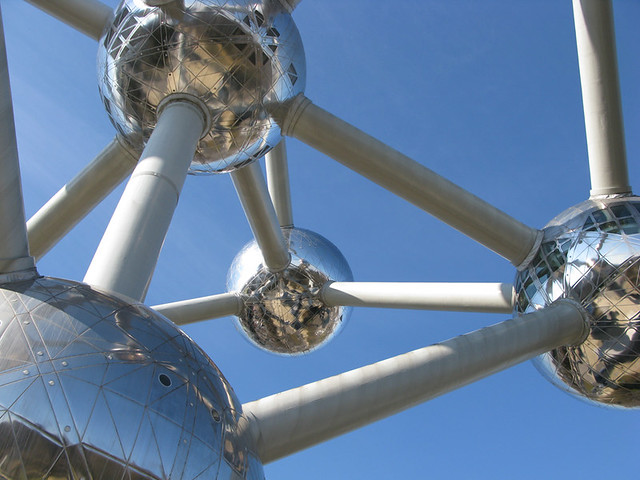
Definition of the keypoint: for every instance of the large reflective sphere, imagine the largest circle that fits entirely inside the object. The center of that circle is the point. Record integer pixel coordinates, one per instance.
(591, 253)
(238, 57)
(93, 387)
(283, 312)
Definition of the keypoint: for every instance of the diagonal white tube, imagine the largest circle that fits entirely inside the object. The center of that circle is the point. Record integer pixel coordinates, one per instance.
(78, 197)
(252, 191)
(278, 183)
(288, 422)
(86, 16)
(202, 308)
(595, 36)
(458, 297)
(290, 5)
(126, 257)
(14, 247)
(408, 179)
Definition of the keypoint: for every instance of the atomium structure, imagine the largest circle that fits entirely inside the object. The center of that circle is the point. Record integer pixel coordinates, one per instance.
(99, 381)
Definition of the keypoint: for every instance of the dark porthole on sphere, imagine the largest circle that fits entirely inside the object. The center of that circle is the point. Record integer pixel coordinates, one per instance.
(215, 415)
(164, 380)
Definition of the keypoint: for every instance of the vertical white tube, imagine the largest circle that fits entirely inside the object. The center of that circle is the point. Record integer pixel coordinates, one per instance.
(595, 36)
(128, 252)
(278, 183)
(14, 247)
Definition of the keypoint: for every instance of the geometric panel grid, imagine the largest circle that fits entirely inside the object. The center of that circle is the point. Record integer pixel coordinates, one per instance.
(92, 386)
(238, 58)
(591, 254)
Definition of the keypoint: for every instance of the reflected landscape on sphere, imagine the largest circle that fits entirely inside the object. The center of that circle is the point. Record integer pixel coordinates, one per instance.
(237, 57)
(283, 312)
(591, 254)
(92, 386)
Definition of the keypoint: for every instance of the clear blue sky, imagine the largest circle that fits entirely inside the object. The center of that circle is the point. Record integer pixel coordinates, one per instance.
(486, 93)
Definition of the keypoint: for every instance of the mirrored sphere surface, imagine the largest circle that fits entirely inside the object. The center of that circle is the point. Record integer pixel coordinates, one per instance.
(238, 57)
(93, 387)
(591, 254)
(283, 311)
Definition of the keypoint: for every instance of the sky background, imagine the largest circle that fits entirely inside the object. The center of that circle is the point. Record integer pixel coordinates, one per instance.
(484, 93)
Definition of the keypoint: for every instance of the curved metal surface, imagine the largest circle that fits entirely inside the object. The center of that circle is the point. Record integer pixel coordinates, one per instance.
(92, 386)
(237, 57)
(591, 254)
(283, 311)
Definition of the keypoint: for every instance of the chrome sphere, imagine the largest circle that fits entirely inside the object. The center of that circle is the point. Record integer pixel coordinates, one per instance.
(283, 312)
(591, 254)
(92, 386)
(238, 57)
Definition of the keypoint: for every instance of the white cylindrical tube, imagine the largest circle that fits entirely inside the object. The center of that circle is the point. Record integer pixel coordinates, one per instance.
(604, 124)
(457, 297)
(14, 247)
(78, 197)
(408, 179)
(199, 309)
(252, 191)
(278, 183)
(291, 421)
(86, 16)
(128, 252)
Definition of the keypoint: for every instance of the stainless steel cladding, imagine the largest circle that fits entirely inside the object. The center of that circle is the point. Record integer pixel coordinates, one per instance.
(93, 386)
(591, 254)
(283, 312)
(239, 58)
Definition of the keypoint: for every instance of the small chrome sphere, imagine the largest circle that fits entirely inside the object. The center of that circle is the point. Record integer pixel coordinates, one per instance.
(283, 312)
(92, 386)
(591, 254)
(238, 57)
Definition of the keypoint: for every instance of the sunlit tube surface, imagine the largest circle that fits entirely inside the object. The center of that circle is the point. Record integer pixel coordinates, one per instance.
(129, 249)
(87, 16)
(595, 37)
(461, 297)
(409, 179)
(78, 197)
(14, 247)
(290, 421)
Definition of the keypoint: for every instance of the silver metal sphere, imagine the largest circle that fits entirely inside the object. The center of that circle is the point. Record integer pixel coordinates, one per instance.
(283, 311)
(591, 254)
(238, 57)
(92, 386)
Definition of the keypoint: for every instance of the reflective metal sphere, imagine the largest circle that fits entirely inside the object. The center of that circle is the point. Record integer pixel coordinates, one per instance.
(283, 312)
(94, 387)
(591, 254)
(236, 56)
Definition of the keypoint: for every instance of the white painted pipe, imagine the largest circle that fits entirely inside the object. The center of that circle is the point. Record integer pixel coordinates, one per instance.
(87, 16)
(409, 180)
(290, 5)
(458, 297)
(14, 247)
(200, 309)
(278, 183)
(596, 42)
(78, 197)
(128, 252)
(252, 191)
(291, 421)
